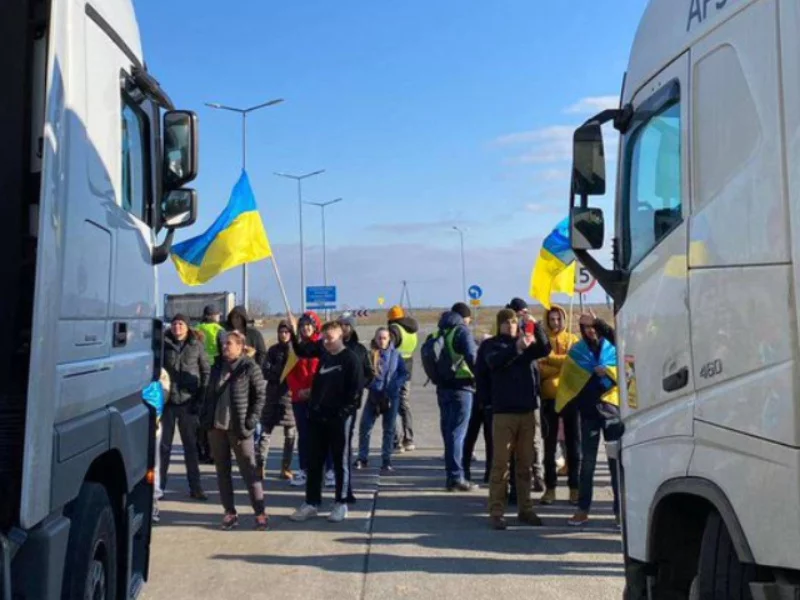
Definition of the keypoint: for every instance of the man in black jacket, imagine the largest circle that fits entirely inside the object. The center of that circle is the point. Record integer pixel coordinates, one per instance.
(510, 356)
(186, 363)
(335, 398)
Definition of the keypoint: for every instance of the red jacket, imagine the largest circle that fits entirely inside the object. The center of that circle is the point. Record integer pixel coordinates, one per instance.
(302, 375)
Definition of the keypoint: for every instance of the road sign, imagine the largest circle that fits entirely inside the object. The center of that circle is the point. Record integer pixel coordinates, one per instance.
(475, 292)
(381, 301)
(585, 281)
(475, 302)
(321, 297)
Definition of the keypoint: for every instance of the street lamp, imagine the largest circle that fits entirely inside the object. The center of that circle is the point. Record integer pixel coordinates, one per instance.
(299, 179)
(463, 263)
(322, 206)
(244, 112)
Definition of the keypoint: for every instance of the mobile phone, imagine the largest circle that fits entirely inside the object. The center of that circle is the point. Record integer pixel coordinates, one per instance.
(528, 327)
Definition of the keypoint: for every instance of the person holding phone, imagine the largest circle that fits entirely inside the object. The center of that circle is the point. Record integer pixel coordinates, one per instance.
(510, 356)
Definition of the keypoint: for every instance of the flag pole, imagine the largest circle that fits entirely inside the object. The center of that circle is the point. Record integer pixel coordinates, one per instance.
(280, 285)
(571, 305)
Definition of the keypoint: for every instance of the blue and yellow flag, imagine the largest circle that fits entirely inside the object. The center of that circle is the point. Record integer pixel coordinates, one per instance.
(554, 271)
(578, 369)
(235, 238)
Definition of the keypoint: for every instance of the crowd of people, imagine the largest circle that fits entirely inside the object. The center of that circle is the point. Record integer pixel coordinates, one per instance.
(226, 393)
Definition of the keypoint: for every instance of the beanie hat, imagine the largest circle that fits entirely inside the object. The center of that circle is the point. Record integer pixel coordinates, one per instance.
(517, 305)
(396, 313)
(461, 309)
(180, 317)
(505, 316)
(284, 325)
(347, 319)
(210, 310)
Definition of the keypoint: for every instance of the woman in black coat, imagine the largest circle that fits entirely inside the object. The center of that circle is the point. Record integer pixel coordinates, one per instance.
(278, 409)
(232, 409)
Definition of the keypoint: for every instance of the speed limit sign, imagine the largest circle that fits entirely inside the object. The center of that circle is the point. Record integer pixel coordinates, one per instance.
(585, 281)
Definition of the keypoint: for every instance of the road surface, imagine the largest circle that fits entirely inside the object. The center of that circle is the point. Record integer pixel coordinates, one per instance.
(406, 538)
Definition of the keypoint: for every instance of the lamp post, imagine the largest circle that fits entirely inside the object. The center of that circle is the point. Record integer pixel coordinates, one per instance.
(463, 263)
(322, 206)
(244, 112)
(299, 179)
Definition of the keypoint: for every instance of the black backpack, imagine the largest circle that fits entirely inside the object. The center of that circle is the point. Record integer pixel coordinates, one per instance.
(436, 359)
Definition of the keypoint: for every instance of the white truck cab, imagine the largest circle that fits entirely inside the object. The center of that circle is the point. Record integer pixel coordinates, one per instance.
(705, 284)
(92, 167)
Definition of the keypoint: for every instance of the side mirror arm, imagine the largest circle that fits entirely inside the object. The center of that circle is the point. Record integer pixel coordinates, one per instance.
(161, 253)
(613, 281)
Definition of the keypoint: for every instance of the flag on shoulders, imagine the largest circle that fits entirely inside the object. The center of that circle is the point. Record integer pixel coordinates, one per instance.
(237, 237)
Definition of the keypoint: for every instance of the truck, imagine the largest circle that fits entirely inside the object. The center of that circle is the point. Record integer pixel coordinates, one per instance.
(94, 162)
(705, 279)
(192, 305)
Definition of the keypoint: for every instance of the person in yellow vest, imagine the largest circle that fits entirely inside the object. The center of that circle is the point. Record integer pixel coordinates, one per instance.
(404, 331)
(210, 329)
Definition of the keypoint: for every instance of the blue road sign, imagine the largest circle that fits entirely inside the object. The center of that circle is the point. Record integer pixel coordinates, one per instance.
(475, 292)
(320, 297)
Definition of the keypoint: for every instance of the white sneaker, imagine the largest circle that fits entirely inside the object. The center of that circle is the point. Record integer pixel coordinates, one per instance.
(305, 512)
(338, 514)
(299, 480)
(330, 479)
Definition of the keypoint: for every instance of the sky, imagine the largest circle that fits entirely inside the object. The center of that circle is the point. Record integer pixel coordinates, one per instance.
(424, 114)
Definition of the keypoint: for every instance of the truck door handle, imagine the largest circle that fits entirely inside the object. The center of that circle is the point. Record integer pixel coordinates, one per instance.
(677, 380)
(120, 334)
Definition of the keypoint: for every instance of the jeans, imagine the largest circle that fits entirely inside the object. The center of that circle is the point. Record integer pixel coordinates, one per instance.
(591, 427)
(300, 410)
(222, 442)
(572, 423)
(406, 418)
(262, 446)
(512, 433)
(481, 417)
(182, 416)
(455, 407)
(330, 438)
(389, 421)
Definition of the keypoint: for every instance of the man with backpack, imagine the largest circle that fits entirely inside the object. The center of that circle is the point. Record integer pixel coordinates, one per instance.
(448, 357)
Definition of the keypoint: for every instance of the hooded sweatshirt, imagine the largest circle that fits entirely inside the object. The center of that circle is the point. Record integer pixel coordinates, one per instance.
(301, 377)
(463, 344)
(355, 345)
(561, 342)
(238, 320)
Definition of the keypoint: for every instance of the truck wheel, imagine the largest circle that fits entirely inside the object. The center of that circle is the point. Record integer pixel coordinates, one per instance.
(90, 572)
(720, 575)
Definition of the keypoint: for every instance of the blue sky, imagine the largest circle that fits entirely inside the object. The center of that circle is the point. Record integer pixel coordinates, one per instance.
(424, 115)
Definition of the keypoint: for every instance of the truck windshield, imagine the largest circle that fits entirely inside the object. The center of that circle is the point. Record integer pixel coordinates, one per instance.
(652, 202)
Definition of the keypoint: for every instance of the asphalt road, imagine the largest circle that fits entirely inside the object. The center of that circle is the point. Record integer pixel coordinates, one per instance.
(405, 538)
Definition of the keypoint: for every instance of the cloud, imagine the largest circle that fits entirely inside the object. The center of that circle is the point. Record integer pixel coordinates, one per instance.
(592, 104)
(541, 208)
(548, 134)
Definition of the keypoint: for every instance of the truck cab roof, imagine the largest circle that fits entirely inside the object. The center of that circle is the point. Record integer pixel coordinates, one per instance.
(120, 20)
(668, 28)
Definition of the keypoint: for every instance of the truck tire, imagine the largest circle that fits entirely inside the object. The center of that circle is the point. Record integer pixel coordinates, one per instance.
(720, 574)
(90, 571)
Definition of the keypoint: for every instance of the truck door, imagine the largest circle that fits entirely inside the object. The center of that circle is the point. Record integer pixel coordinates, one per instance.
(652, 224)
(123, 114)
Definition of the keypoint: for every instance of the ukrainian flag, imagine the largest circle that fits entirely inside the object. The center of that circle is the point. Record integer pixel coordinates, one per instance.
(555, 268)
(578, 369)
(235, 238)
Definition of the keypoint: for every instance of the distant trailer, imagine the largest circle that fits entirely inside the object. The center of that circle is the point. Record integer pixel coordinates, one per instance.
(192, 305)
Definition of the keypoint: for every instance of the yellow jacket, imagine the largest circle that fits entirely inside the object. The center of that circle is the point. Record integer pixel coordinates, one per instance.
(550, 367)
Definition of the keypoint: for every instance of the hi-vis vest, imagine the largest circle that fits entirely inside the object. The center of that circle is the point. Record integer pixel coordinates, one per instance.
(210, 333)
(408, 344)
(462, 369)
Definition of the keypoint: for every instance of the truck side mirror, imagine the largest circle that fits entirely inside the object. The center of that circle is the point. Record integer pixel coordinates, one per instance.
(587, 228)
(588, 161)
(180, 148)
(179, 209)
